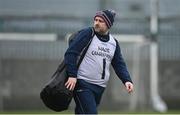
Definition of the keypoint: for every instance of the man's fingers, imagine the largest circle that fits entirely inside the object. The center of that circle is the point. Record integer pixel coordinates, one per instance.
(129, 87)
(70, 84)
(67, 85)
(71, 87)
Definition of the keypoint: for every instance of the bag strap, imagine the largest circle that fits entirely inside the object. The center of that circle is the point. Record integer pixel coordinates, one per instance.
(82, 54)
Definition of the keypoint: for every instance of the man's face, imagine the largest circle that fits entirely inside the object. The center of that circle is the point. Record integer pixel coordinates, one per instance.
(100, 25)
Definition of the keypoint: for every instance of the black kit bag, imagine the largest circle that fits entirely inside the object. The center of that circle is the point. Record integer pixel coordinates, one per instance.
(55, 95)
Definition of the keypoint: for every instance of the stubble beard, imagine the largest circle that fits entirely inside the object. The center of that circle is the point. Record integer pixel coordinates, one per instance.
(99, 30)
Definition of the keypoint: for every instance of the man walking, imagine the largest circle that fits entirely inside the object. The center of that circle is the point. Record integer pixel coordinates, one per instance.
(90, 79)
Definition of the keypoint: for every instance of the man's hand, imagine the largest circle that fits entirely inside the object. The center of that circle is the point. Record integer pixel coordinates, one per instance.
(129, 87)
(71, 82)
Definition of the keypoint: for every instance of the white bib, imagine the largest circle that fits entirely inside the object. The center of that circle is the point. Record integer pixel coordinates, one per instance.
(96, 63)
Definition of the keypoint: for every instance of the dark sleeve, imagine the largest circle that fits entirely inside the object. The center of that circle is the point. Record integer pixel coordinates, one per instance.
(119, 65)
(74, 50)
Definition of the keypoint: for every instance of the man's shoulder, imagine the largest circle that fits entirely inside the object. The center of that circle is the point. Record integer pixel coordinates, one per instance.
(113, 38)
(87, 30)
(83, 34)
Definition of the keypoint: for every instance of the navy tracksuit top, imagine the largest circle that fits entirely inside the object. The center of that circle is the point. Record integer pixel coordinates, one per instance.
(80, 42)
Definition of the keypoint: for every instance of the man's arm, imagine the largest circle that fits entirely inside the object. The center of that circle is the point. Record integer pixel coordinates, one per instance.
(74, 50)
(121, 70)
(72, 54)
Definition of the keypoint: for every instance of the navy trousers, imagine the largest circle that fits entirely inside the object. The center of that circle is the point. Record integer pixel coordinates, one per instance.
(87, 97)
